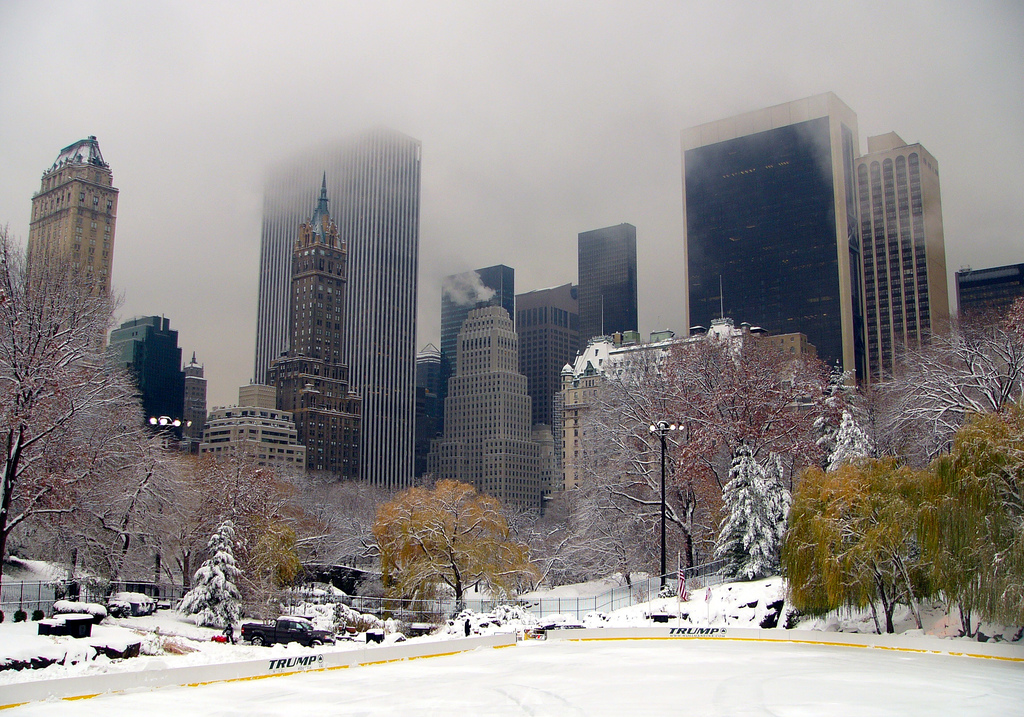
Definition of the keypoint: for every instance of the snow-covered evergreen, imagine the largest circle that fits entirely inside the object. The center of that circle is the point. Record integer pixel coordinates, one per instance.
(851, 442)
(778, 497)
(214, 599)
(756, 503)
(826, 426)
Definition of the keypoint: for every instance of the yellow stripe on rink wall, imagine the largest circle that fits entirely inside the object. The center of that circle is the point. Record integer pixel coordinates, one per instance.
(74, 688)
(900, 643)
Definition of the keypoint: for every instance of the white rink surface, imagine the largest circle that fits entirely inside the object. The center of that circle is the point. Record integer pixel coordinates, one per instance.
(695, 677)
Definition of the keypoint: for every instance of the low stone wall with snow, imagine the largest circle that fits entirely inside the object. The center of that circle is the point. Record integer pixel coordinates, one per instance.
(910, 643)
(78, 687)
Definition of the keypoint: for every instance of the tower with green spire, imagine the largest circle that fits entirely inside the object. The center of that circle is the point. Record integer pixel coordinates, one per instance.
(311, 380)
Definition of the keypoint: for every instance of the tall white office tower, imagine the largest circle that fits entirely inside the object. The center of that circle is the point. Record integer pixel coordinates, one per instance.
(373, 183)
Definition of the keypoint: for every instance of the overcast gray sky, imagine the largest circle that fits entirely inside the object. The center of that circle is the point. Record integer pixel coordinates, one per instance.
(538, 120)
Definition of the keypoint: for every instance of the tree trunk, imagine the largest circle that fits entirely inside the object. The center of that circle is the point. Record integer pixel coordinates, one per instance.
(874, 616)
(965, 620)
(11, 460)
(911, 599)
(888, 606)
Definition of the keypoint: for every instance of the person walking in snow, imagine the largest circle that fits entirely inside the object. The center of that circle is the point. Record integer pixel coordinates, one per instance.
(229, 633)
(467, 627)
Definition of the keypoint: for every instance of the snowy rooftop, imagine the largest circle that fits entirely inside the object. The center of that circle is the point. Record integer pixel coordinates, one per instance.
(84, 151)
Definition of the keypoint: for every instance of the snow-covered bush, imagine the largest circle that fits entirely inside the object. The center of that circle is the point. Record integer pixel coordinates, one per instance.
(215, 601)
(66, 607)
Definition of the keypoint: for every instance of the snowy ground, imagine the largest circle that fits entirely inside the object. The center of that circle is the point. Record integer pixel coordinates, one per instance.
(608, 678)
(592, 678)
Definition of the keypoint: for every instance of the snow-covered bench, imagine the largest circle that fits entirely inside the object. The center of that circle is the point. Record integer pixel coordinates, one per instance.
(75, 624)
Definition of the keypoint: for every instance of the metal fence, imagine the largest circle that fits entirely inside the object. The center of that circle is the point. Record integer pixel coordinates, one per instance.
(31, 595)
(38, 595)
(437, 610)
(26, 595)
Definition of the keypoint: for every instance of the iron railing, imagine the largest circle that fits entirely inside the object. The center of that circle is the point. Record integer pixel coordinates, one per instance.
(439, 609)
(33, 595)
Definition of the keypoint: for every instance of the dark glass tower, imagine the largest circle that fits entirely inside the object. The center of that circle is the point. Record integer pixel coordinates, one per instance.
(148, 348)
(988, 293)
(428, 404)
(607, 288)
(771, 224)
(548, 326)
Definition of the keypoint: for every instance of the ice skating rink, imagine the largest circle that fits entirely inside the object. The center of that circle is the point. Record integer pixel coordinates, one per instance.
(636, 677)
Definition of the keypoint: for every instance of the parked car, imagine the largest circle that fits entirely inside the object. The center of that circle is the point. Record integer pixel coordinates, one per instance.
(125, 604)
(284, 630)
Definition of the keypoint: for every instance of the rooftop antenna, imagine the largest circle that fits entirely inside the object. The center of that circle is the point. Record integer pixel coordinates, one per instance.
(721, 299)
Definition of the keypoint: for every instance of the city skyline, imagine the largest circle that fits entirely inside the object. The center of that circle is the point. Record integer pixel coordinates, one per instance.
(521, 153)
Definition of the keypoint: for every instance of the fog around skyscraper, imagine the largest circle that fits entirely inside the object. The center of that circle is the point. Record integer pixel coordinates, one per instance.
(537, 122)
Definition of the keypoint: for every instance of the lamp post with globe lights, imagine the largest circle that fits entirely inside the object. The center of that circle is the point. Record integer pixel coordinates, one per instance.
(662, 429)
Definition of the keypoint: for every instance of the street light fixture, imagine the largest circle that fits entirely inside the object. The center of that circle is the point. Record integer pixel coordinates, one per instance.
(662, 428)
(171, 428)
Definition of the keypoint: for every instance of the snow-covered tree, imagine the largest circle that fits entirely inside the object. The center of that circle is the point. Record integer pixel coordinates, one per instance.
(214, 599)
(977, 368)
(779, 497)
(750, 533)
(850, 443)
(62, 407)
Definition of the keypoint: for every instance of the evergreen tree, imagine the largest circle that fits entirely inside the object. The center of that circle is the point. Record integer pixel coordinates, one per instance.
(779, 499)
(749, 538)
(850, 443)
(214, 599)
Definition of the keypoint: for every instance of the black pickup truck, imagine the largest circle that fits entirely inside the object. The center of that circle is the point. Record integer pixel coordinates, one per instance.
(286, 629)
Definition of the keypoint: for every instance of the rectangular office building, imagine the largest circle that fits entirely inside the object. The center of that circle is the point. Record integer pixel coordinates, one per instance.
(770, 224)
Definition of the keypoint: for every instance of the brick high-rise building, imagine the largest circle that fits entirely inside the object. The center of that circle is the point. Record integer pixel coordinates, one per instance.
(74, 212)
(311, 379)
(374, 187)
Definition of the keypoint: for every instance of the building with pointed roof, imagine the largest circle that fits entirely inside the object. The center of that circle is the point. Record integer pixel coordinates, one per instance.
(373, 181)
(74, 212)
(311, 378)
(194, 409)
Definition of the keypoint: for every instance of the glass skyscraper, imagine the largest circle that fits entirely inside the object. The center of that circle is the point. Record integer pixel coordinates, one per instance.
(373, 184)
(607, 288)
(770, 221)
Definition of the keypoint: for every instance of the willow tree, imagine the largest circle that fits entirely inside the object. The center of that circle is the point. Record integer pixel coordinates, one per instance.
(852, 540)
(449, 535)
(972, 523)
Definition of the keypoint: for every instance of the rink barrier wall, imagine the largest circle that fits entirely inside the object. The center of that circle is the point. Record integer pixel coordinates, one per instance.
(274, 665)
(900, 643)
